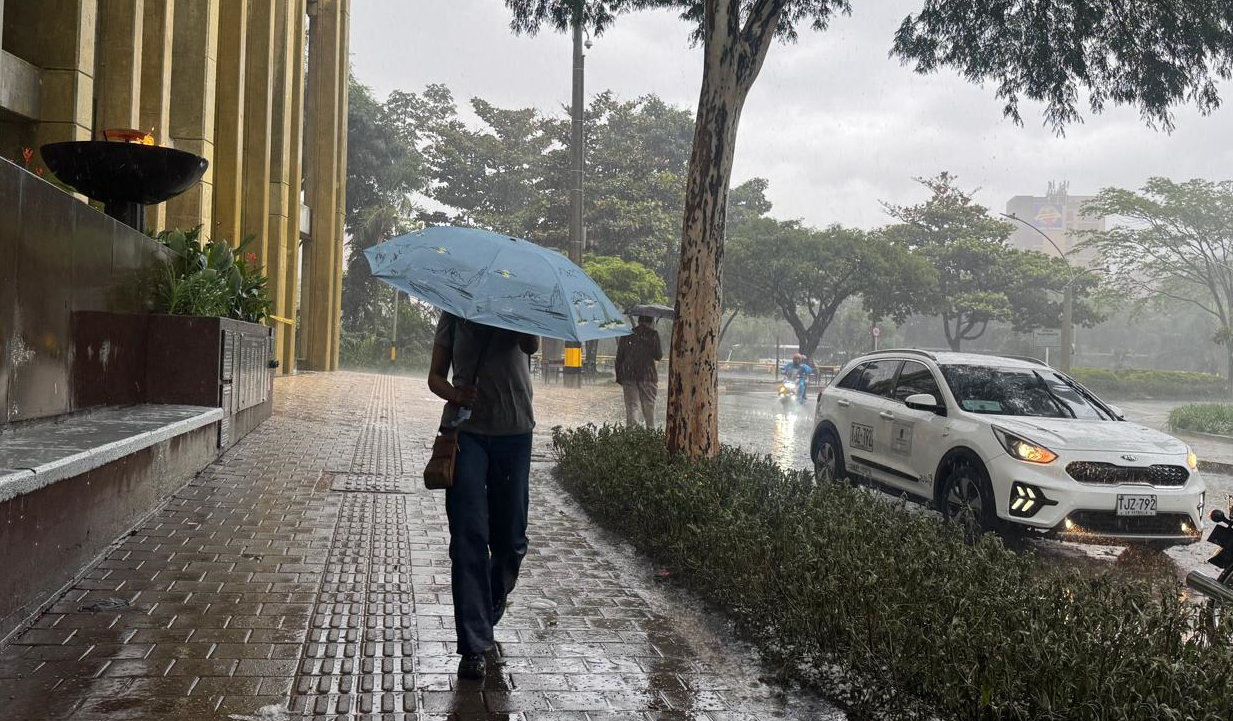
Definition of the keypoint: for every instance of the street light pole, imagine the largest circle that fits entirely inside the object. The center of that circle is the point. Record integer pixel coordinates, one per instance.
(577, 231)
(1068, 298)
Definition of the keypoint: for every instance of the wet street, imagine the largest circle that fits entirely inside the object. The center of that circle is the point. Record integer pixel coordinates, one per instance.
(305, 575)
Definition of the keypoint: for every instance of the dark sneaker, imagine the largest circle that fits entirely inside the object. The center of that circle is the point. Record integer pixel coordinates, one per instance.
(498, 611)
(471, 667)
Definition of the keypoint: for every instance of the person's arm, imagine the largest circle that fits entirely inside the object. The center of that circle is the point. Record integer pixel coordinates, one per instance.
(438, 379)
(528, 343)
(659, 348)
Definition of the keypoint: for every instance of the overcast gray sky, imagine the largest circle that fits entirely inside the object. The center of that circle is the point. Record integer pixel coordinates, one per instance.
(833, 123)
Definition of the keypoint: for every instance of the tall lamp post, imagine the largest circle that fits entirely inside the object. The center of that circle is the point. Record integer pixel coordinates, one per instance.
(577, 225)
(1068, 297)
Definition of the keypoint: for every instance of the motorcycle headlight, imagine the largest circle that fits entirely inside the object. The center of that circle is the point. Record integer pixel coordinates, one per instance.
(1023, 449)
(1192, 461)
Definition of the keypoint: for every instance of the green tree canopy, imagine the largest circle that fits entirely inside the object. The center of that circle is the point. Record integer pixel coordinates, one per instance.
(784, 268)
(980, 278)
(1175, 242)
(627, 283)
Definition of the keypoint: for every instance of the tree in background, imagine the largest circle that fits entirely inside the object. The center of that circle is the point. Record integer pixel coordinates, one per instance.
(1136, 52)
(784, 268)
(383, 170)
(1176, 244)
(980, 278)
(627, 283)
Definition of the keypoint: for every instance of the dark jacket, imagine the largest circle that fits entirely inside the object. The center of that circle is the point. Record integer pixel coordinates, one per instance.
(636, 356)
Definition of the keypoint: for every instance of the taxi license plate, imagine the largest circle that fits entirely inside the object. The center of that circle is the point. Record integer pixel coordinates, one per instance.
(1136, 505)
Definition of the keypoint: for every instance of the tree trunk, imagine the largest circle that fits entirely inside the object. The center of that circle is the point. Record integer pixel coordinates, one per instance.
(733, 57)
(953, 339)
(1228, 350)
(728, 323)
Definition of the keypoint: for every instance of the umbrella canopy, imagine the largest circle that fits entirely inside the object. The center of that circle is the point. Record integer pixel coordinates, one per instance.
(654, 310)
(498, 281)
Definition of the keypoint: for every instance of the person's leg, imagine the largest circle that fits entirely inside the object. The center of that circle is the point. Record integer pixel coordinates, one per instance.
(647, 390)
(630, 391)
(509, 470)
(466, 504)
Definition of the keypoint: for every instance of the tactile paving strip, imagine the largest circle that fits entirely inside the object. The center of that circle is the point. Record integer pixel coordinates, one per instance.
(357, 483)
(360, 656)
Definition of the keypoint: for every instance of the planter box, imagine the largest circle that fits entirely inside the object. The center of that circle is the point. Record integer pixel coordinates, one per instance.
(212, 362)
(125, 359)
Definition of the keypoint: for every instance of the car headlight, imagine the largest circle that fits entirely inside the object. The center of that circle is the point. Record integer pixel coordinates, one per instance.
(1192, 461)
(1023, 449)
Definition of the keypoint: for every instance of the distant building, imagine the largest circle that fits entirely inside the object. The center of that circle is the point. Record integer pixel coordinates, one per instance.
(1057, 214)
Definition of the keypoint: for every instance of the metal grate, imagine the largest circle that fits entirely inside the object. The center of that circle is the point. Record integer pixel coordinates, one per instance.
(1164, 524)
(1108, 474)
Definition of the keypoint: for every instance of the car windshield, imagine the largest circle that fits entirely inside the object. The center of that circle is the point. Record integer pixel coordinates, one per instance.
(1020, 392)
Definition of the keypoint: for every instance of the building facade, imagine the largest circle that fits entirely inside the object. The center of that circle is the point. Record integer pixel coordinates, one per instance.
(1059, 215)
(256, 87)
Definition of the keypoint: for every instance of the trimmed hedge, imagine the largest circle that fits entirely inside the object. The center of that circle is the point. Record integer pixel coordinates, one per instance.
(889, 611)
(1203, 417)
(1130, 383)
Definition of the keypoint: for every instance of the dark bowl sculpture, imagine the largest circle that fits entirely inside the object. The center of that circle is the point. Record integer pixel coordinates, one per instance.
(124, 176)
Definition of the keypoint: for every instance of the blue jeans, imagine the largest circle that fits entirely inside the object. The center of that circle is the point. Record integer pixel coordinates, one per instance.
(487, 509)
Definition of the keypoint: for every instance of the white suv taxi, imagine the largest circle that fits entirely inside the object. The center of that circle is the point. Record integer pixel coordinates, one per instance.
(1018, 444)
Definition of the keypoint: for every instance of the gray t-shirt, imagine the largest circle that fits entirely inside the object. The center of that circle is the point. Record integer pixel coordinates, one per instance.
(503, 401)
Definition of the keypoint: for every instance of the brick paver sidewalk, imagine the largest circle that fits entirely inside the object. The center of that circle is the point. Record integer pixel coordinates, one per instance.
(306, 575)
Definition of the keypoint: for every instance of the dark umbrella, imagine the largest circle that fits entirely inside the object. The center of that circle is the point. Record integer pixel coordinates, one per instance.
(653, 310)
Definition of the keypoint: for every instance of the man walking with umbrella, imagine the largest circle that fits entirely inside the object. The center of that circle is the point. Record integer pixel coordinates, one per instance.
(497, 295)
(637, 354)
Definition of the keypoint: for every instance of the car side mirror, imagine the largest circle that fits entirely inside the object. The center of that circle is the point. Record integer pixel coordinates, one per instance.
(925, 402)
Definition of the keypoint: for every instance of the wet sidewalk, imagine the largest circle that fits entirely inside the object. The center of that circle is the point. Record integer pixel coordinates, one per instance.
(306, 575)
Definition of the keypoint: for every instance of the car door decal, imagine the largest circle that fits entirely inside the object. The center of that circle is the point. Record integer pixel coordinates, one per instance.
(901, 437)
(861, 437)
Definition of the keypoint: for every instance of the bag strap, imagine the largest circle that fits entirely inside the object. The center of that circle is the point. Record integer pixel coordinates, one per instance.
(460, 418)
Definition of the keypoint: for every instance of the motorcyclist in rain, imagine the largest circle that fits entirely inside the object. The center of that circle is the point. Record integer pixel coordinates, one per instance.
(798, 370)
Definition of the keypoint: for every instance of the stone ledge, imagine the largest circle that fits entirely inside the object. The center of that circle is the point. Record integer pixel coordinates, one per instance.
(38, 456)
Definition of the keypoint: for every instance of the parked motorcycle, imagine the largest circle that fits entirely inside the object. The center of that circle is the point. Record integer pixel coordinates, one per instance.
(1219, 590)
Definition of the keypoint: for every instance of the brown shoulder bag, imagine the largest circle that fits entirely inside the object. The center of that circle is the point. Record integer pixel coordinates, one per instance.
(439, 473)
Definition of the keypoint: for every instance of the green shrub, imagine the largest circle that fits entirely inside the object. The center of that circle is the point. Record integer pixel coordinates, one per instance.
(888, 610)
(211, 279)
(1203, 417)
(1130, 383)
(369, 351)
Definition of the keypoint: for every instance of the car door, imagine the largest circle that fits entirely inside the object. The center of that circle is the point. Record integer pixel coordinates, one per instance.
(868, 440)
(917, 438)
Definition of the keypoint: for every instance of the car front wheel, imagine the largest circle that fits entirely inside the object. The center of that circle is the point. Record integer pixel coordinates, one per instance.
(967, 498)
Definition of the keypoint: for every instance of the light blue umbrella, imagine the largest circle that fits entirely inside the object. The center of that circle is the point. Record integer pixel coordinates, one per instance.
(498, 281)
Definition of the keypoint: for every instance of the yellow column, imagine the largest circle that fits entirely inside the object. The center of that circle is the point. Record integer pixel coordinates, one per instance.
(118, 88)
(229, 120)
(58, 36)
(258, 82)
(286, 75)
(294, 126)
(321, 170)
(193, 86)
(156, 45)
(344, 72)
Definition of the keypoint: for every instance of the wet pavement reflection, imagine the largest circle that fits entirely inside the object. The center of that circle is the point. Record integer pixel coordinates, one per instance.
(305, 575)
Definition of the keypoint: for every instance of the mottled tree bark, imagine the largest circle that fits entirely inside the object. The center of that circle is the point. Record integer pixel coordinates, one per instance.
(733, 57)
